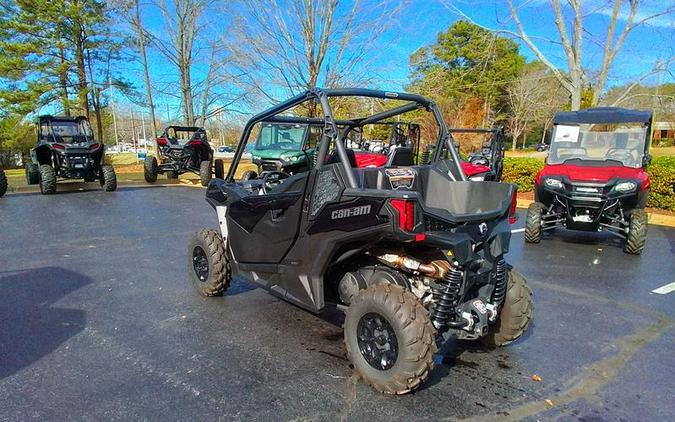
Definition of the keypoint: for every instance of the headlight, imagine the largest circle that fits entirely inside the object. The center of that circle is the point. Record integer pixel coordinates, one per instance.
(625, 186)
(477, 178)
(553, 183)
(291, 159)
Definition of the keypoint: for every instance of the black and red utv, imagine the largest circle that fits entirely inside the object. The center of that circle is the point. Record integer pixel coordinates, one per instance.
(182, 149)
(595, 177)
(66, 149)
(411, 253)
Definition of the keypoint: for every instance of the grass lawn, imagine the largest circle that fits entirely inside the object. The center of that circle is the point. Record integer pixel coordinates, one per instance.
(662, 151)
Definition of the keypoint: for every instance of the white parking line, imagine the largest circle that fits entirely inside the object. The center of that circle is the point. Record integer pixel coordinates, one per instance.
(664, 290)
(517, 230)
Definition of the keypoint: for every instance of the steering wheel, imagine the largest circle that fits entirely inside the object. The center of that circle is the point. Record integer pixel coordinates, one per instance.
(272, 179)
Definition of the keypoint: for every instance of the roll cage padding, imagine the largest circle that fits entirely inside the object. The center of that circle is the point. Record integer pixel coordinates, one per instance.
(401, 156)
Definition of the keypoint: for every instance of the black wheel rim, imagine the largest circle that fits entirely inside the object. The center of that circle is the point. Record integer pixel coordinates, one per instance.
(200, 263)
(377, 341)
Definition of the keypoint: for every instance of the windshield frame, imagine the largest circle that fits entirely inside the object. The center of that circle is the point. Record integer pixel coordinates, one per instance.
(297, 145)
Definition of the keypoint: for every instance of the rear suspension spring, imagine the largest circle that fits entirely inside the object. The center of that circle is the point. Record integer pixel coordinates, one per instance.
(499, 275)
(446, 298)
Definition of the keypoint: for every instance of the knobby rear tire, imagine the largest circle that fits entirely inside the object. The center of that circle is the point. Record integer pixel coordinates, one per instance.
(515, 314)
(150, 169)
(415, 338)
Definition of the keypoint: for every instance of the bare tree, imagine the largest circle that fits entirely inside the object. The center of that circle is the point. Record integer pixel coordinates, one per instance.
(182, 27)
(301, 44)
(533, 98)
(142, 36)
(575, 78)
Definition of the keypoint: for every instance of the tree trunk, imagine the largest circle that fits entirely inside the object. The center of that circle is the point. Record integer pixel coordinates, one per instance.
(97, 112)
(186, 93)
(63, 79)
(524, 135)
(95, 99)
(543, 133)
(146, 73)
(81, 72)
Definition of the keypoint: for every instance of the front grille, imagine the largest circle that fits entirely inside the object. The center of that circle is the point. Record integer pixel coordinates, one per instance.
(77, 161)
(269, 167)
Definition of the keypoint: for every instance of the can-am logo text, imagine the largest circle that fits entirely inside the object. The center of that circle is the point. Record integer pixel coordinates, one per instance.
(350, 212)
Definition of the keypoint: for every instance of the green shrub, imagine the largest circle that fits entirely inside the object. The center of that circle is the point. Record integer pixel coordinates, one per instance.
(662, 172)
(522, 171)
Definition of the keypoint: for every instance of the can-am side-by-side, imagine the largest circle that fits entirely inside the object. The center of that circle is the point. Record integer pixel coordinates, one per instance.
(412, 253)
(595, 176)
(66, 149)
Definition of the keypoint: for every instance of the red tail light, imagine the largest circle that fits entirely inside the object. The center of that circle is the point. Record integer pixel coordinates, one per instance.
(406, 213)
(514, 204)
(162, 142)
(195, 143)
(94, 146)
(59, 147)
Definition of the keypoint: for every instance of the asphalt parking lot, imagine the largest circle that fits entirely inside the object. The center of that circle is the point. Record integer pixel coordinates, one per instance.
(98, 321)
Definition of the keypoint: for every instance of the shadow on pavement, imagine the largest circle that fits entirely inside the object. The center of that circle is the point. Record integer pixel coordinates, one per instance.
(31, 326)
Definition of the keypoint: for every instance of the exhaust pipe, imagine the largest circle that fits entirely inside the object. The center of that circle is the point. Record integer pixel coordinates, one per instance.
(434, 269)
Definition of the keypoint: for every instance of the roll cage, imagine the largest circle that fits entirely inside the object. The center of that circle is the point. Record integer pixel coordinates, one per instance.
(171, 132)
(331, 133)
(601, 116)
(46, 132)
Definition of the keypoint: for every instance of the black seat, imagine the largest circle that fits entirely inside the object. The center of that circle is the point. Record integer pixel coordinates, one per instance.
(335, 158)
(401, 156)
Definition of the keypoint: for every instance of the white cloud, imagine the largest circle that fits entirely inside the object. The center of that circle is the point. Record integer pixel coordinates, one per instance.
(665, 9)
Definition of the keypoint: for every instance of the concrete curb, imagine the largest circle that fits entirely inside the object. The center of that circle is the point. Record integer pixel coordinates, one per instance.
(654, 218)
(74, 186)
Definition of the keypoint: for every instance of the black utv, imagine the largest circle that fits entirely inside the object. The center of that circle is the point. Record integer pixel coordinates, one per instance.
(182, 149)
(66, 149)
(3, 183)
(411, 253)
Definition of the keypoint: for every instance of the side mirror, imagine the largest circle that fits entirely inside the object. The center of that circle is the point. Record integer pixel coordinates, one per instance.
(646, 160)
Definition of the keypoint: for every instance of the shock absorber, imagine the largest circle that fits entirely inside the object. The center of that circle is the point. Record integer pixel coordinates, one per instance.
(446, 298)
(499, 275)
(425, 157)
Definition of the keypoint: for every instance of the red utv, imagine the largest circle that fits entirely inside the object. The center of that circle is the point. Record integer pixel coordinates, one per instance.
(595, 177)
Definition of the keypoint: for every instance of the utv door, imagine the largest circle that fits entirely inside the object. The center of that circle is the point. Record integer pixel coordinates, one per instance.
(262, 228)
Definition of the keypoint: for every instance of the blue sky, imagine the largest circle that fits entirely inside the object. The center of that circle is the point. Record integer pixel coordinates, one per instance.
(420, 21)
